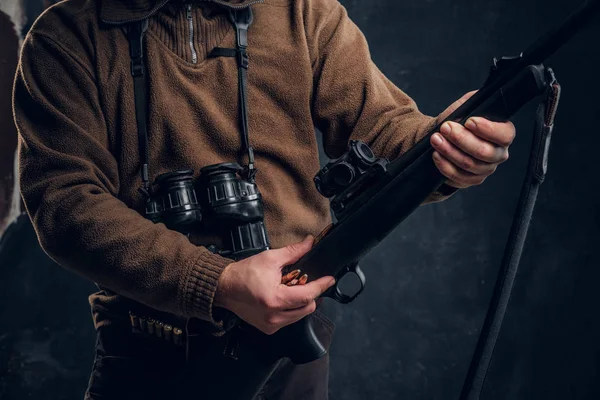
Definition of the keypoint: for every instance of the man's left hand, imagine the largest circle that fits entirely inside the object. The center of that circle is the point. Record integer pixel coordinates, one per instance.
(467, 155)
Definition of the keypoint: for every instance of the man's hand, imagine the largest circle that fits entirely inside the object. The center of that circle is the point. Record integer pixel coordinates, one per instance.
(253, 289)
(468, 155)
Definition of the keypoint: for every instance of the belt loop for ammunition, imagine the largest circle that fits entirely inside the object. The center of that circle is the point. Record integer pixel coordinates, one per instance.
(177, 336)
(158, 329)
(143, 324)
(135, 323)
(151, 323)
(168, 330)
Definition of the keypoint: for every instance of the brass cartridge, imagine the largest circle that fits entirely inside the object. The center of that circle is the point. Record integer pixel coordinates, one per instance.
(158, 328)
(177, 336)
(303, 279)
(167, 330)
(151, 323)
(143, 324)
(135, 323)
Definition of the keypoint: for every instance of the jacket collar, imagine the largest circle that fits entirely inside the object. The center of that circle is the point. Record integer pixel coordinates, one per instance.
(124, 11)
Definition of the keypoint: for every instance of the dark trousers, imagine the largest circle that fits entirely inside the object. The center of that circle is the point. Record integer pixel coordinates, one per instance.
(134, 366)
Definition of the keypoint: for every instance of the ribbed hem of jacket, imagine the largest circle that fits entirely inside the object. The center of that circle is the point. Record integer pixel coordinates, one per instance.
(201, 285)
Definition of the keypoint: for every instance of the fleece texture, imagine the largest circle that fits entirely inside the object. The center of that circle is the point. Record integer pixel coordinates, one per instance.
(78, 149)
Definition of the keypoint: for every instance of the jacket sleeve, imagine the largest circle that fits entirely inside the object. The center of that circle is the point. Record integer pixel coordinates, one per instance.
(352, 98)
(69, 181)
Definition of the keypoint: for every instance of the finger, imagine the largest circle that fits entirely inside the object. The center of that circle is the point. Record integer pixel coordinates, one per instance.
(287, 317)
(456, 184)
(500, 133)
(459, 157)
(471, 144)
(290, 276)
(460, 178)
(455, 105)
(301, 295)
(290, 254)
(293, 282)
(299, 313)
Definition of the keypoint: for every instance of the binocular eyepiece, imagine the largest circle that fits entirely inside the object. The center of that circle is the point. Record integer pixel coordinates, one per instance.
(174, 202)
(220, 201)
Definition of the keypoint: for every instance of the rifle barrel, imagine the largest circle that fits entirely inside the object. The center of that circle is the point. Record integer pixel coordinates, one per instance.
(547, 45)
(539, 51)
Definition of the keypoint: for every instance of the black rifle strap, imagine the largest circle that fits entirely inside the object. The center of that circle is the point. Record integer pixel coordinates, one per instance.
(135, 36)
(241, 20)
(536, 172)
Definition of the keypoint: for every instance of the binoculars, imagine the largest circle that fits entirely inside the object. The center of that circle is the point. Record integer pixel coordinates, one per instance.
(220, 201)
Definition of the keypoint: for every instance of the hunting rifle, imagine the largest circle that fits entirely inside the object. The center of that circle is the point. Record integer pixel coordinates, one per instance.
(384, 196)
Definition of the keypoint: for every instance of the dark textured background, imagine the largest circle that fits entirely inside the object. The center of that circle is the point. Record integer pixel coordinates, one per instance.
(412, 333)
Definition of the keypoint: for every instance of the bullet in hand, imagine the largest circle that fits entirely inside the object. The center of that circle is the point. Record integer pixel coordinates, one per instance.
(290, 277)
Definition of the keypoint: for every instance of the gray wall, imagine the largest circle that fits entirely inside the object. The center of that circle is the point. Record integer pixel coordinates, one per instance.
(411, 334)
(9, 48)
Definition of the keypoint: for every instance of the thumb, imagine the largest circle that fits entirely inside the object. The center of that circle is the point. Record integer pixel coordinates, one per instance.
(300, 296)
(455, 105)
(291, 253)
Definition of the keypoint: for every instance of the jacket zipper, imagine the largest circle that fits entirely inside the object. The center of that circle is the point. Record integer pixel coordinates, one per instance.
(191, 29)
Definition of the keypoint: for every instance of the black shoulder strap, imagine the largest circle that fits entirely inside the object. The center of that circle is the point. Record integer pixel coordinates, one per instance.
(536, 172)
(241, 20)
(135, 35)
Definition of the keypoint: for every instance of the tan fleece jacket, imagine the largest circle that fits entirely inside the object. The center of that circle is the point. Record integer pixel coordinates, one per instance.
(79, 163)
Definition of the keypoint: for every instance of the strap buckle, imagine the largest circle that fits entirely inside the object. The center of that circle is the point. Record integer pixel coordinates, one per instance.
(544, 124)
(135, 35)
(137, 67)
(241, 19)
(242, 58)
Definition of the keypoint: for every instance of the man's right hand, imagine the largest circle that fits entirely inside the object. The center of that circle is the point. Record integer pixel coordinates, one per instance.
(252, 289)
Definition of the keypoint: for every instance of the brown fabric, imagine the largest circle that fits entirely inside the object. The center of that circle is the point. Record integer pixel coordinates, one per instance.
(74, 109)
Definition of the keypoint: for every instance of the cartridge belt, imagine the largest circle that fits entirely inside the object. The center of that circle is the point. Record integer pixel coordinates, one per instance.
(167, 327)
(160, 325)
(154, 327)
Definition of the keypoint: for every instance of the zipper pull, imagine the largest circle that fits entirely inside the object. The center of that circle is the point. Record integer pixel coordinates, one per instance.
(189, 11)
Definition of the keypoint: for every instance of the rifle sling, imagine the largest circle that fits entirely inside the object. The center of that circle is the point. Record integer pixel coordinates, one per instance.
(534, 177)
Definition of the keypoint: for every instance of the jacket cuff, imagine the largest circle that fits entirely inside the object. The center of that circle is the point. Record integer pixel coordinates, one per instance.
(201, 285)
